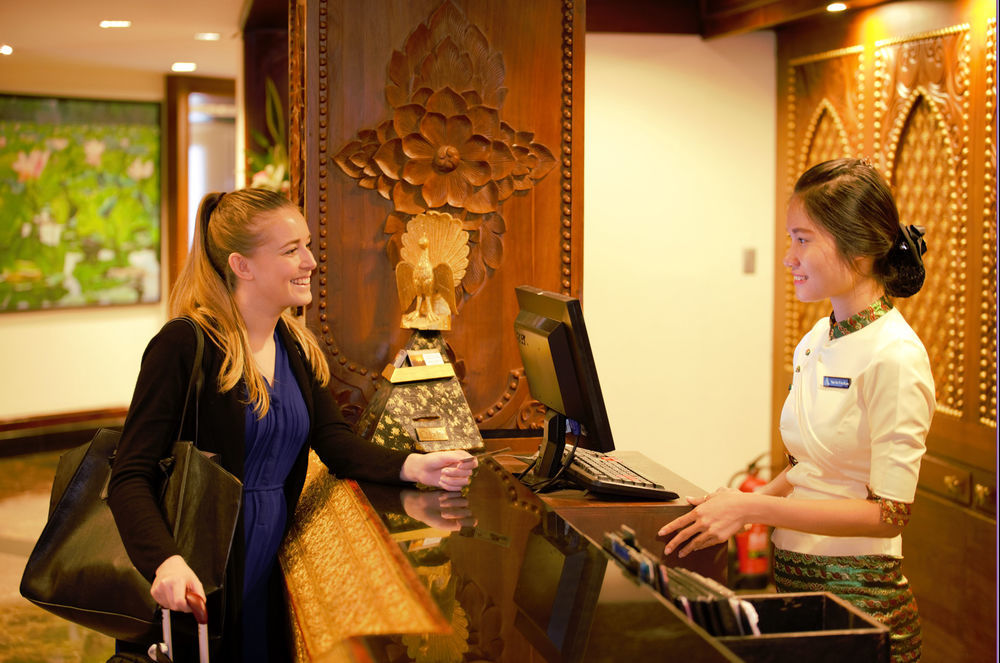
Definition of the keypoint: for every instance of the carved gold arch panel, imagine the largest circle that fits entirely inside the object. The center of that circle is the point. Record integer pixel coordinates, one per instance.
(830, 83)
(921, 117)
(924, 185)
(826, 121)
(827, 138)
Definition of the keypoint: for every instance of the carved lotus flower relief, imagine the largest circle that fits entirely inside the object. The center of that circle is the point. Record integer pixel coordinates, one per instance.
(445, 147)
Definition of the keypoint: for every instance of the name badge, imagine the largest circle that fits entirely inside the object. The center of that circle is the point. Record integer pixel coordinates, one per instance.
(836, 383)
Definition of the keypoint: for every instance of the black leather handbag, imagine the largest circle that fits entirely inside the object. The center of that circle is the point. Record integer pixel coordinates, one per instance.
(79, 569)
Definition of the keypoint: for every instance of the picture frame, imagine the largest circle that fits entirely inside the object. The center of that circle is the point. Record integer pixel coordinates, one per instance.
(80, 202)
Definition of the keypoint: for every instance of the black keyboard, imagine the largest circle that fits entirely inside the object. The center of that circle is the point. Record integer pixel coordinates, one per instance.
(601, 473)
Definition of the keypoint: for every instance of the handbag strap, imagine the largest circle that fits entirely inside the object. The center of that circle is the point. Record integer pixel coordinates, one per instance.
(195, 381)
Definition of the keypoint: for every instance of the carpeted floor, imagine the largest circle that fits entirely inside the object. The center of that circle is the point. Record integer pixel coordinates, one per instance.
(29, 634)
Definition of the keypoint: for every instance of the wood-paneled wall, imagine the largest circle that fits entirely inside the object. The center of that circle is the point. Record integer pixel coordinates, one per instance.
(505, 74)
(912, 87)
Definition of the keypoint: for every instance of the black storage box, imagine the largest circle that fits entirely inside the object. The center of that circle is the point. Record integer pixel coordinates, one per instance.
(816, 627)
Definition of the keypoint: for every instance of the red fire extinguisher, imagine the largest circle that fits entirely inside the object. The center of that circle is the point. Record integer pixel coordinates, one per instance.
(753, 548)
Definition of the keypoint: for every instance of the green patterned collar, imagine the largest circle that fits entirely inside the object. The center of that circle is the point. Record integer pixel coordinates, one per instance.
(861, 319)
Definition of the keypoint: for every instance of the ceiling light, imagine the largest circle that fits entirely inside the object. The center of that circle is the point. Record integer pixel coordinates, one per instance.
(183, 66)
(836, 7)
(115, 24)
(5, 49)
(207, 36)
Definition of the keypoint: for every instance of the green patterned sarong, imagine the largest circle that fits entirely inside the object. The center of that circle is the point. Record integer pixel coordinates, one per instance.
(873, 583)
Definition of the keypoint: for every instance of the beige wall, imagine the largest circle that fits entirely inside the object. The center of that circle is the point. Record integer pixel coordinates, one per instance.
(679, 182)
(66, 361)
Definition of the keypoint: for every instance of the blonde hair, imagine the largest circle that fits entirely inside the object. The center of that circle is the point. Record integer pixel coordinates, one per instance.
(230, 223)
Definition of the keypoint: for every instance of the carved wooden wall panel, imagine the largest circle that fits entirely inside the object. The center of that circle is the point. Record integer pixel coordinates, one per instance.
(467, 107)
(917, 130)
(825, 121)
(921, 144)
(918, 98)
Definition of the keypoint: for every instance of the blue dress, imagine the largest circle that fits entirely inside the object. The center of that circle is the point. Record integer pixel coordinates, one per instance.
(272, 445)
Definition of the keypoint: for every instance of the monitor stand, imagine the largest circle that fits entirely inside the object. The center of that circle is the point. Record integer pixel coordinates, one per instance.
(553, 443)
(550, 451)
(549, 460)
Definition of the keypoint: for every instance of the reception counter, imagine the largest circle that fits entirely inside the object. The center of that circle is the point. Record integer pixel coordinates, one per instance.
(382, 574)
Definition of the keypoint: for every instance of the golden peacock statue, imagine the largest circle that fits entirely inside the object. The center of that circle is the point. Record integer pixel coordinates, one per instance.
(433, 259)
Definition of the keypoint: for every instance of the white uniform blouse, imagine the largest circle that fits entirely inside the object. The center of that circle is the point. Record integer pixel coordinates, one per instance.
(855, 419)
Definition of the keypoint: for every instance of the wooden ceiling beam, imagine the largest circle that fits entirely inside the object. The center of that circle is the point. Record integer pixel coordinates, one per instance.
(649, 16)
(720, 18)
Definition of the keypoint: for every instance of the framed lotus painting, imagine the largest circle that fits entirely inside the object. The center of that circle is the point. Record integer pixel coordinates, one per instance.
(79, 202)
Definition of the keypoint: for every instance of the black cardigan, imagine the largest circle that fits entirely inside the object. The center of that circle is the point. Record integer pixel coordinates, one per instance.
(151, 428)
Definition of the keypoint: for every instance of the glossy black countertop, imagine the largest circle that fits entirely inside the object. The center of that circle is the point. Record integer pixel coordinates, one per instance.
(518, 582)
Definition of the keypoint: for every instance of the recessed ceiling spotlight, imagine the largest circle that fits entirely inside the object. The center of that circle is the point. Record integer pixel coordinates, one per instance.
(836, 7)
(5, 49)
(207, 36)
(183, 66)
(115, 24)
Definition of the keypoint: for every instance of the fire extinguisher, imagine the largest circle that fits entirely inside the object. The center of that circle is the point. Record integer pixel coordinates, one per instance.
(753, 548)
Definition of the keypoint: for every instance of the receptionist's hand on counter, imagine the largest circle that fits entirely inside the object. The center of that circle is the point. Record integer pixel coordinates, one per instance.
(715, 518)
(445, 511)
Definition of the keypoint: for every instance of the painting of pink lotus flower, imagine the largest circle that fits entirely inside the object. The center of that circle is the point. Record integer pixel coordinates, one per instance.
(79, 203)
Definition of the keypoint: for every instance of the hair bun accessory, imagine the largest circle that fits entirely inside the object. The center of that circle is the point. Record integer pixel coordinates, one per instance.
(916, 236)
(905, 257)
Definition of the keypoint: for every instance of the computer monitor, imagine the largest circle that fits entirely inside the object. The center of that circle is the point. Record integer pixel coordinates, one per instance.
(561, 373)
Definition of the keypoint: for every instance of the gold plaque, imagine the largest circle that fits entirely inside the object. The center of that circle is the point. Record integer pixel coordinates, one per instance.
(431, 433)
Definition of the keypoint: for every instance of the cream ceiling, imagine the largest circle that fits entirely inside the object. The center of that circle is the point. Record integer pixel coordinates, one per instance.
(162, 32)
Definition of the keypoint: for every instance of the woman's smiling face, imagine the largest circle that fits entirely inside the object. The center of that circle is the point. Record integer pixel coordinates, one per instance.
(818, 270)
(283, 262)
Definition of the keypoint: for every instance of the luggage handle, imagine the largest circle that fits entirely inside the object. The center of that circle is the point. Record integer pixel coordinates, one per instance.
(200, 612)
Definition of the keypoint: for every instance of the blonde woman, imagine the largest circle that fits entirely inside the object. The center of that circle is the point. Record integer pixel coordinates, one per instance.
(264, 404)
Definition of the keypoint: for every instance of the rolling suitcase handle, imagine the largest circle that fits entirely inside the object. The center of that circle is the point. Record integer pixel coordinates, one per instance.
(164, 652)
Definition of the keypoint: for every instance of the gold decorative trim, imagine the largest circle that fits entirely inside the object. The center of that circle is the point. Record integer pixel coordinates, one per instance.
(827, 55)
(566, 179)
(790, 128)
(792, 312)
(943, 32)
(296, 102)
(345, 576)
(859, 83)
(341, 365)
(988, 306)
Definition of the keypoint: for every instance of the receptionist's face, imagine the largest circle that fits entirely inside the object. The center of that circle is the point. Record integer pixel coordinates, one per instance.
(817, 268)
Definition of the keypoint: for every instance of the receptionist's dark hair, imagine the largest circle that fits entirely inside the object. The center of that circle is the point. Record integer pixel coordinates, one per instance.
(850, 200)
